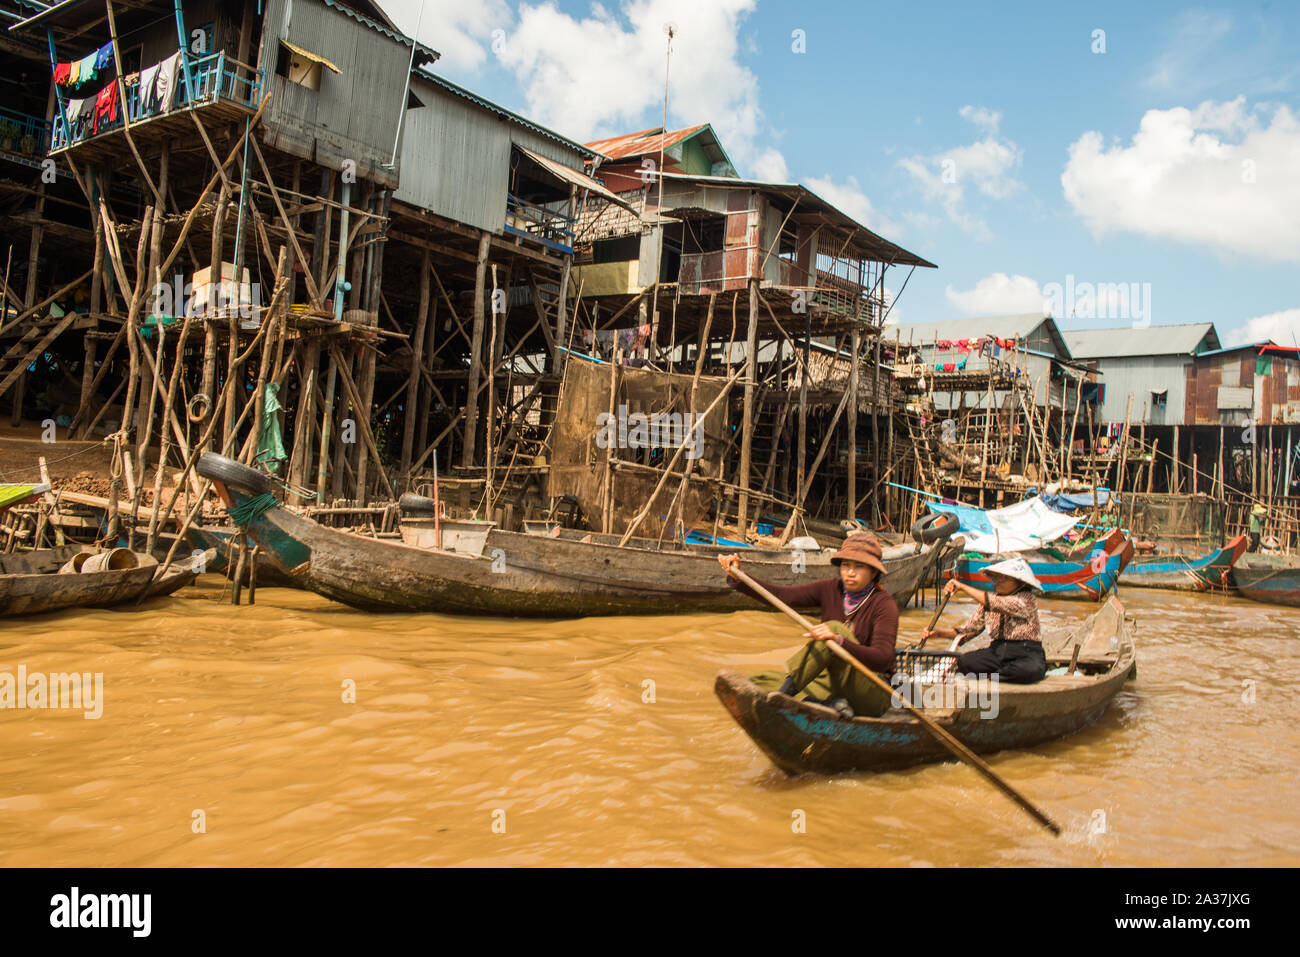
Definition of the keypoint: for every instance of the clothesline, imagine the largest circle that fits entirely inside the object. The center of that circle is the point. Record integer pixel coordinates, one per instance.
(83, 72)
(156, 89)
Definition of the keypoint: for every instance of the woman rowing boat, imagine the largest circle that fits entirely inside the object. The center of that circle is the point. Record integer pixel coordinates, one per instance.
(858, 615)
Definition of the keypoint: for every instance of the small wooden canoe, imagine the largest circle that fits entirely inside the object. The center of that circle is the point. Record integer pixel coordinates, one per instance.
(1271, 579)
(501, 573)
(1086, 577)
(1210, 572)
(801, 737)
(30, 583)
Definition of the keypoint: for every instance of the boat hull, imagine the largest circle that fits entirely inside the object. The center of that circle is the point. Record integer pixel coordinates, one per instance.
(1089, 580)
(1211, 572)
(517, 574)
(802, 738)
(1271, 580)
(31, 585)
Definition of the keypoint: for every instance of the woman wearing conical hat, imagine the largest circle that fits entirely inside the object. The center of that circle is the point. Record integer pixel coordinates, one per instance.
(1010, 613)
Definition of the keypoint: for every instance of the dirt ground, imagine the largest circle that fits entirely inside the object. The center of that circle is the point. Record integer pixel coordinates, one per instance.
(73, 466)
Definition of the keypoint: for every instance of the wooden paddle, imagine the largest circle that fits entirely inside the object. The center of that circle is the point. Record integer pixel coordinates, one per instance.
(934, 619)
(943, 737)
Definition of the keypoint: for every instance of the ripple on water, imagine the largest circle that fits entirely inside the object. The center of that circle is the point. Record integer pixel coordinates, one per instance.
(304, 732)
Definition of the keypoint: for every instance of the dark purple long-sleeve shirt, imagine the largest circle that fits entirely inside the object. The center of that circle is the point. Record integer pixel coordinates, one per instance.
(874, 624)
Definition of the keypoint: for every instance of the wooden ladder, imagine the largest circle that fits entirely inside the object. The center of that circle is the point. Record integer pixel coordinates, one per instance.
(38, 337)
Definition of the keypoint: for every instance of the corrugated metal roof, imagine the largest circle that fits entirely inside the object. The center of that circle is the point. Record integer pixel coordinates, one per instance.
(642, 142)
(503, 112)
(809, 202)
(580, 180)
(1019, 326)
(1266, 346)
(429, 54)
(1186, 339)
(313, 57)
(647, 142)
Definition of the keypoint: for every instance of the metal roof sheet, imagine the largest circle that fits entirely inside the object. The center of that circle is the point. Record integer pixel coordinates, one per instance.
(501, 111)
(429, 54)
(580, 180)
(642, 142)
(809, 202)
(1186, 339)
(1019, 326)
(313, 57)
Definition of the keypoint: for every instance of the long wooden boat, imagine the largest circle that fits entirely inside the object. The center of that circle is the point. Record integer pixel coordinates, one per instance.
(801, 737)
(30, 582)
(500, 573)
(1210, 572)
(1272, 579)
(1089, 576)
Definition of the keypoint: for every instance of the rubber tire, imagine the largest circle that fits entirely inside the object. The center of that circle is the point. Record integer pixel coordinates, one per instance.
(935, 527)
(231, 473)
(417, 504)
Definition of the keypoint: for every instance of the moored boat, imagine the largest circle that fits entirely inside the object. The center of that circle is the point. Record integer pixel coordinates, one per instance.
(222, 543)
(1210, 572)
(1084, 575)
(31, 582)
(1271, 579)
(802, 737)
(497, 572)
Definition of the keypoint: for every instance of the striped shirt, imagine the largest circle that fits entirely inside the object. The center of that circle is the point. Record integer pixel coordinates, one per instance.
(1008, 617)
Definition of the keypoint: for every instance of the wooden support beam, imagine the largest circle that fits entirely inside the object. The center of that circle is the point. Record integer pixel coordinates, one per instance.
(747, 427)
(475, 353)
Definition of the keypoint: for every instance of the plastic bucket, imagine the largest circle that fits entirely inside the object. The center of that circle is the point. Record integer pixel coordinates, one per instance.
(73, 565)
(114, 560)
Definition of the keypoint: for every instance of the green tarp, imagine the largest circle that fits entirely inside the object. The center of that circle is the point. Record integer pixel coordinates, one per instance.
(270, 448)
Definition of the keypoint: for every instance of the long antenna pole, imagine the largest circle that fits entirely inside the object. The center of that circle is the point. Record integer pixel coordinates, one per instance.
(659, 175)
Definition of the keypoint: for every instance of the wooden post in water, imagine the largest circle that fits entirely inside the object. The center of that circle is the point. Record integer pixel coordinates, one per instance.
(747, 426)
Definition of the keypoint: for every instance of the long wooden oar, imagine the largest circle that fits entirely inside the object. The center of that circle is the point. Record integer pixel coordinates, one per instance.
(943, 737)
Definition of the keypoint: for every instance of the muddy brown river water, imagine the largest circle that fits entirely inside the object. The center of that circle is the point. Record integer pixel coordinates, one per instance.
(228, 738)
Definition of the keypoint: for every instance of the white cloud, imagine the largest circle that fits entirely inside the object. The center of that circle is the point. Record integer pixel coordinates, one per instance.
(1282, 327)
(849, 198)
(985, 164)
(461, 32)
(602, 74)
(1218, 175)
(998, 295)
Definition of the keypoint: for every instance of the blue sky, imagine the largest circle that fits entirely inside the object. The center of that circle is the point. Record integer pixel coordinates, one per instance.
(1012, 144)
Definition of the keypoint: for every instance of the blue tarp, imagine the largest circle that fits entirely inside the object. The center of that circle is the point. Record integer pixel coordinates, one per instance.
(1069, 501)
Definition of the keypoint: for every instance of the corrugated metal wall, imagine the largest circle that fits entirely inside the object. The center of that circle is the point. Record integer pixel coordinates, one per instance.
(352, 116)
(456, 157)
(1139, 376)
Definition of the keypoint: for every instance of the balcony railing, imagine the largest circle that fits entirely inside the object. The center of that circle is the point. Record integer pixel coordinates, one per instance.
(211, 78)
(23, 136)
(540, 223)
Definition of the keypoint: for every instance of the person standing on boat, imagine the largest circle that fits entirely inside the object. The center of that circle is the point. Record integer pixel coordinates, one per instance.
(1257, 516)
(856, 613)
(1010, 612)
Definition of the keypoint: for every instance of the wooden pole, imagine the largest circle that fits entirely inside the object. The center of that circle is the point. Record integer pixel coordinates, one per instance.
(475, 354)
(747, 426)
(855, 347)
(410, 413)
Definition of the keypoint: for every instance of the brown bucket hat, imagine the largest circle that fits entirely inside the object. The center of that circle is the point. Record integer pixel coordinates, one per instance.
(860, 548)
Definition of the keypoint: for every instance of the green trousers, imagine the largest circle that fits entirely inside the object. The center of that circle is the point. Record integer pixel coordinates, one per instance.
(823, 674)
